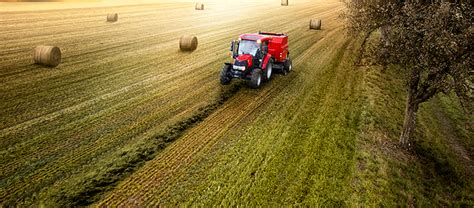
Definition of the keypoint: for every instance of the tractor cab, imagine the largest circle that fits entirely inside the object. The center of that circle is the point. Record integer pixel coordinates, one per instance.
(250, 51)
(255, 55)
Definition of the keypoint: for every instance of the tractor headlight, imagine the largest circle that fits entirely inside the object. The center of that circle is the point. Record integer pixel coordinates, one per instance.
(240, 68)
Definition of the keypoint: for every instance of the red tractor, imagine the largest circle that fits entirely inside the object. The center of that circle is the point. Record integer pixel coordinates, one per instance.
(256, 56)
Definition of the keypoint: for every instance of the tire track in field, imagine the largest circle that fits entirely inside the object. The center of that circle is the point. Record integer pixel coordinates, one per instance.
(181, 153)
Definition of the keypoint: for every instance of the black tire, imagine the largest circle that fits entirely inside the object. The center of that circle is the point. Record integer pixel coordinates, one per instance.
(256, 79)
(288, 66)
(225, 78)
(269, 71)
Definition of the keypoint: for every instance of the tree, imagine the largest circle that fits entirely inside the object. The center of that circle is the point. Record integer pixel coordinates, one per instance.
(432, 41)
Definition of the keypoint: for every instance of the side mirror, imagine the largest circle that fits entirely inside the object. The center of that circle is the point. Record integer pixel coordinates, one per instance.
(234, 47)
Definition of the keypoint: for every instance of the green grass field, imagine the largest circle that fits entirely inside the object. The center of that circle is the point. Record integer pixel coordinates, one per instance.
(129, 120)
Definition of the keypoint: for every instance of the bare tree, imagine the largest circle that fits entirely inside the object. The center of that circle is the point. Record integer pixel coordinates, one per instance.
(432, 41)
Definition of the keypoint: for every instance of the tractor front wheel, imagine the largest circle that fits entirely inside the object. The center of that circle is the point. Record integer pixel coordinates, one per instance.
(225, 78)
(256, 79)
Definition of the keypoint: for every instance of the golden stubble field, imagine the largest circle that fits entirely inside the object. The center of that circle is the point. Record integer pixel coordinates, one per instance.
(121, 84)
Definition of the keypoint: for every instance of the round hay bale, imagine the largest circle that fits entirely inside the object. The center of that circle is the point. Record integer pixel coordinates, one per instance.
(199, 6)
(315, 24)
(112, 17)
(284, 2)
(188, 43)
(47, 55)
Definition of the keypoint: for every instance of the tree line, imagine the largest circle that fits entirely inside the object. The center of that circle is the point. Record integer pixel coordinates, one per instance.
(430, 40)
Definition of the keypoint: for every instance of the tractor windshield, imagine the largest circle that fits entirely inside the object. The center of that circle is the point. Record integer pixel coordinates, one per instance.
(248, 47)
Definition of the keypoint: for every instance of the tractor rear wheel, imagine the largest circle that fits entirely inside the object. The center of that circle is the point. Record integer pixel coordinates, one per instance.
(256, 79)
(288, 66)
(269, 70)
(225, 78)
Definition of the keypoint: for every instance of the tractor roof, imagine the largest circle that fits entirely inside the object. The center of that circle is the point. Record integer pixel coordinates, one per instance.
(262, 36)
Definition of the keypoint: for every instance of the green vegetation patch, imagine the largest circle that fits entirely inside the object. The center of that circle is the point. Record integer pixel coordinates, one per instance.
(430, 175)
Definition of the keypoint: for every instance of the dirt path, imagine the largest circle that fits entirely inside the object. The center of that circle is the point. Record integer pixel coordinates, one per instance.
(448, 129)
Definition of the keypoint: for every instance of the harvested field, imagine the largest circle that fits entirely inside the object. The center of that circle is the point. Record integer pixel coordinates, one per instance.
(97, 103)
(127, 119)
